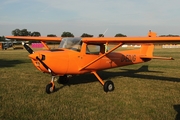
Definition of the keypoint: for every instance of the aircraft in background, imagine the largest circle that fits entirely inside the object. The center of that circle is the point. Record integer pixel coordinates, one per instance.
(88, 55)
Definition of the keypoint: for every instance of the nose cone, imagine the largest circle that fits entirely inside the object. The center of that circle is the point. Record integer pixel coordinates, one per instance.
(33, 56)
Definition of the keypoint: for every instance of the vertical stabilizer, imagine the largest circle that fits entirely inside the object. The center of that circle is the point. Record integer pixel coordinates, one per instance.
(147, 50)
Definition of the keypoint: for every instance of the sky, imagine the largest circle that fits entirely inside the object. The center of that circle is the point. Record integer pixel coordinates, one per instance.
(109, 17)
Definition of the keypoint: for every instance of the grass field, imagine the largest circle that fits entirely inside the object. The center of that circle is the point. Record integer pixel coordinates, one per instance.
(148, 91)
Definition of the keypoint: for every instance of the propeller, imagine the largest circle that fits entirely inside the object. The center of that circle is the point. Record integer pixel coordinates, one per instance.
(33, 55)
(44, 65)
(27, 48)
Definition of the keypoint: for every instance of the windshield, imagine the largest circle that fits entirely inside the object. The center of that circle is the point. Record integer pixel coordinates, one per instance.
(71, 43)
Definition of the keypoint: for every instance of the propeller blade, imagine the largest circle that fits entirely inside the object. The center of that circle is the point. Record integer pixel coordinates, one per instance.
(45, 65)
(27, 48)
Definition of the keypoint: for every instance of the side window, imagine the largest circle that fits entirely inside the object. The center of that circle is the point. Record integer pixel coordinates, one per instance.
(76, 48)
(93, 49)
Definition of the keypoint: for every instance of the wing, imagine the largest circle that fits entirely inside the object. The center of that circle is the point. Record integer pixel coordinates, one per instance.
(132, 40)
(151, 38)
(42, 39)
(34, 38)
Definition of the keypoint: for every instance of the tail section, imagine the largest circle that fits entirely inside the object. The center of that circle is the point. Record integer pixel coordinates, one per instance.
(147, 52)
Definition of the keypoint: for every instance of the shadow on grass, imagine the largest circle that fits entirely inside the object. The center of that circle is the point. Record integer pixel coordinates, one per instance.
(59, 88)
(105, 75)
(177, 109)
(144, 68)
(11, 63)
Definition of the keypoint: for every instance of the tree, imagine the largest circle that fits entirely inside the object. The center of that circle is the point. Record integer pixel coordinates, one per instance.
(86, 35)
(2, 38)
(101, 35)
(170, 35)
(16, 32)
(23, 32)
(120, 35)
(67, 34)
(51, 35)
(35, 34)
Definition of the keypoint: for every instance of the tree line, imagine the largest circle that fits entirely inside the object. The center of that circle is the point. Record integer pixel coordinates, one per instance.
(25, 32)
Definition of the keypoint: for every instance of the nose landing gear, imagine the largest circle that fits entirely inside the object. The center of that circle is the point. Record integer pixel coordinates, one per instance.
(51, 86)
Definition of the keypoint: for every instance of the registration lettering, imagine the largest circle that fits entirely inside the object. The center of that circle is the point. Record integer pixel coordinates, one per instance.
(128, 58)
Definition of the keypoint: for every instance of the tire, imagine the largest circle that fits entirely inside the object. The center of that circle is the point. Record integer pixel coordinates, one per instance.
(49, 88)
(108, 86)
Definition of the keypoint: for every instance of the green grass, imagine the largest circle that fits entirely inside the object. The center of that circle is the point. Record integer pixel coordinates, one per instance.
(148, 91)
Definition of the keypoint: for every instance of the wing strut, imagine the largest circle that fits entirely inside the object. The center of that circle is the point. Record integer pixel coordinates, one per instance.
(97, 76)
(117, 46)
(44, 44)
(108, 86)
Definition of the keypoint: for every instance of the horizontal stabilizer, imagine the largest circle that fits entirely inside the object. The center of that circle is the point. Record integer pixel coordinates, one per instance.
(154, 57)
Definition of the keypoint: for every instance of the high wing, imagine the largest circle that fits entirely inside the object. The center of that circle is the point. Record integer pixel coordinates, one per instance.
(35, 38)
(32, 38)
(125, 40)
(151, 38)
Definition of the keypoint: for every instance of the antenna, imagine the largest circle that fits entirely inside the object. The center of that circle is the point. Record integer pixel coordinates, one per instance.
(106, 45)
(105, 32)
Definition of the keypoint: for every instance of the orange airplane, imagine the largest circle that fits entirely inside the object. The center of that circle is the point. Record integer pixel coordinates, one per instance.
(88, 55)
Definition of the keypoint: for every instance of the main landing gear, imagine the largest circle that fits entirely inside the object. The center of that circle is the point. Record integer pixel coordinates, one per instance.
(108, 85)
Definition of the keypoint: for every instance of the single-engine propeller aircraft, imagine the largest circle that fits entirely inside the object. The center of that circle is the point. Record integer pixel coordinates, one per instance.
(88, 55)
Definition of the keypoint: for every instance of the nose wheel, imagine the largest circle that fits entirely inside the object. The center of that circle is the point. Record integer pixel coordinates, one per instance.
(51, 86)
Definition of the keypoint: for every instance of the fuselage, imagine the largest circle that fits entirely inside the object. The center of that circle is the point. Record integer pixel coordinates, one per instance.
(77, 57)
(66, 61)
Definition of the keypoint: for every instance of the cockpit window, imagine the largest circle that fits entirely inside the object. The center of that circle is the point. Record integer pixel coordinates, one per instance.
(93, 49)
(71, 43)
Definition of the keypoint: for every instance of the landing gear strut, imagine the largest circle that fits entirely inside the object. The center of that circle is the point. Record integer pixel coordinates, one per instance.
(108, 85)
(51, 86)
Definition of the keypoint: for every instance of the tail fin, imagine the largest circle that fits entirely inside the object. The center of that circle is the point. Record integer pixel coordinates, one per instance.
(147, 52)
